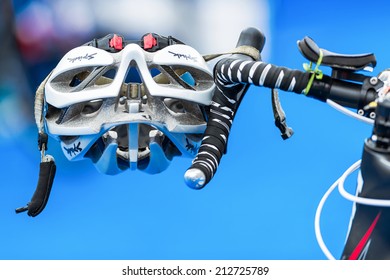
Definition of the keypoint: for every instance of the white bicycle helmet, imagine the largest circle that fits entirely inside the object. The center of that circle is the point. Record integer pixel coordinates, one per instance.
(129, 104)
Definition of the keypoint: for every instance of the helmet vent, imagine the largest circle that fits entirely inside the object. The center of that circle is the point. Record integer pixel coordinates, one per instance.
(175, 77)
(92, 107)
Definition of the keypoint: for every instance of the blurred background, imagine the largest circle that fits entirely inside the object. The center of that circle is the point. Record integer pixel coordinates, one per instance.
(262, 201)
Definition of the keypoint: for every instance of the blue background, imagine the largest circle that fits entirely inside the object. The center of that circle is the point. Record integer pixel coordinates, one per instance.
(262, 201)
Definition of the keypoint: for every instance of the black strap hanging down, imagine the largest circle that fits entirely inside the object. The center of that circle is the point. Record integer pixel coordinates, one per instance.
(41, 195)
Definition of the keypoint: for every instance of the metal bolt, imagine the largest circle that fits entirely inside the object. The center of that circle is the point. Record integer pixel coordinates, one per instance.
(122, 100)
(144, 99)
(374, 80)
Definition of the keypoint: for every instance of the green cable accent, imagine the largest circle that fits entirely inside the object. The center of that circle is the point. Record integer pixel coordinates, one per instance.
(316, 73)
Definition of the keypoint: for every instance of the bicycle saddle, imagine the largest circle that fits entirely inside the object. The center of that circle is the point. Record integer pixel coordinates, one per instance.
(350, 62)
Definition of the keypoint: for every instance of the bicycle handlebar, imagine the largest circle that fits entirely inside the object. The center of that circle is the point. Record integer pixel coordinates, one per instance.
(234, 74)
(225, 102)
(263, 74)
